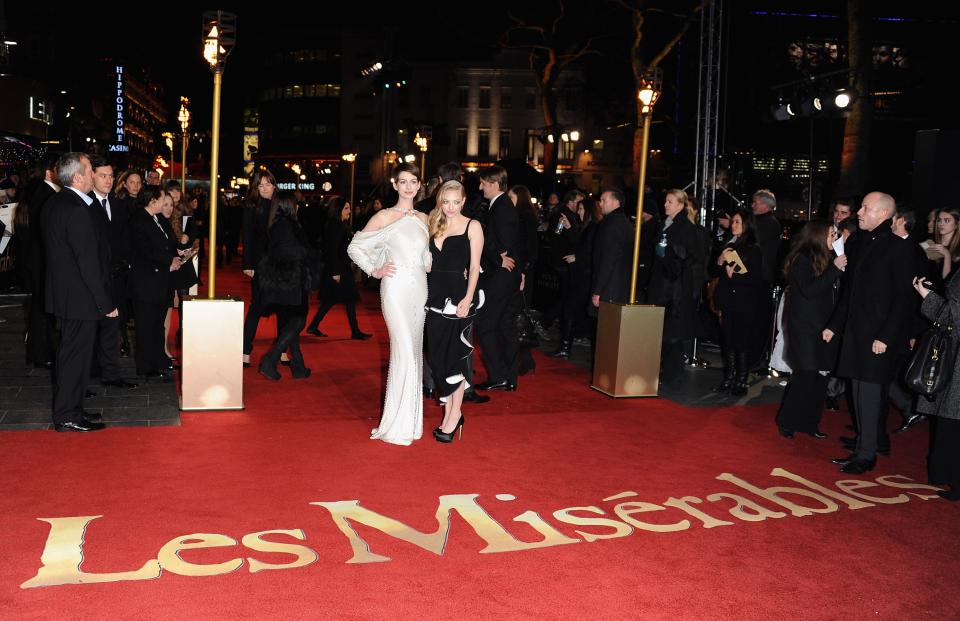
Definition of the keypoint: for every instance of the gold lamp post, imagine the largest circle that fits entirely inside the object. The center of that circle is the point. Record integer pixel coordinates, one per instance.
(351, 158)
(212, 352)
(648, 95)
(219, 37)
(421, 141)
(629, 336)
(184, 117)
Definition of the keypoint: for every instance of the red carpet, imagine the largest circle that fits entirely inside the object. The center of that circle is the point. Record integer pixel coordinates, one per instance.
(524, 457)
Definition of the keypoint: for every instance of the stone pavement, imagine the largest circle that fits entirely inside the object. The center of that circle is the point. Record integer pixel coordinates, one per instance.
(26, 393)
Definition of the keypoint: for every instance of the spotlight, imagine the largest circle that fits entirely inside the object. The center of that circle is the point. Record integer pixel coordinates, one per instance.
(779, 112)
(842, 99)
(817, 103)
(791, 109)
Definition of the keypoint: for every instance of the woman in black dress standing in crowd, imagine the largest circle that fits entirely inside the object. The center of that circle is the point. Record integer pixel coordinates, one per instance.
(529, 247)
(337, 285)
(283, 278)
(811, 271)
(456, 243)
(738, 299)
(261, 202)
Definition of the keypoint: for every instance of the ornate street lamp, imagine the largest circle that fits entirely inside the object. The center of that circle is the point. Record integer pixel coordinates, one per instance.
(648, 94)
(219, 37)
(184, 117)
(351, 158)
(421, 141)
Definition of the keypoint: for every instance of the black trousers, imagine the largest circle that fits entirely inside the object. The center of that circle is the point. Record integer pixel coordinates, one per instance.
(869, 402)
(72, 371)
(497, 327)
(943, 463)
(150, 336)
(106, 358)
(252, 320)
(802, 404)
(290, 323)
(41, 330)
(325, 306)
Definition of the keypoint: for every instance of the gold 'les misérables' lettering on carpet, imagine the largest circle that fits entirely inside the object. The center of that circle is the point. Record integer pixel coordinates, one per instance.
(62, 558)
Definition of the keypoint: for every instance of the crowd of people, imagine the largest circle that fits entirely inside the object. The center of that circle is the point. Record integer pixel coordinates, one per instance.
(854, 292)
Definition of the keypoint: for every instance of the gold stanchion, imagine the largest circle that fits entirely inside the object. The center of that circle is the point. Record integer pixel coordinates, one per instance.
(214, 170)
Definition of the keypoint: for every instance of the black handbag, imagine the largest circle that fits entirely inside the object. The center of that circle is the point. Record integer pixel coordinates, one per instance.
(931, 365)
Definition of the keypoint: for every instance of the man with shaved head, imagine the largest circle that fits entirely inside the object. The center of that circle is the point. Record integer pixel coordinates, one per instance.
(872, 320)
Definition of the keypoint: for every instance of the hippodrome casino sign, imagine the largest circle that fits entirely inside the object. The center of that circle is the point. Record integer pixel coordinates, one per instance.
(61, 561)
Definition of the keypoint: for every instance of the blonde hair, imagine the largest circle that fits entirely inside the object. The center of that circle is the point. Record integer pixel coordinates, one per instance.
(438, 220)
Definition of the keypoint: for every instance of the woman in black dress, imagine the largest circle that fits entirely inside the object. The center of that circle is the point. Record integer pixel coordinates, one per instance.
(811, 271)
(456, 243)
(337, 285)
(738, 298)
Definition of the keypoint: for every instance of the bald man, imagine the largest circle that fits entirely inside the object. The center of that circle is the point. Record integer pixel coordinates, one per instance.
(873, 321)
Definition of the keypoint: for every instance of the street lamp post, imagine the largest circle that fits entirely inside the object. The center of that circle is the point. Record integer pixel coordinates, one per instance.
(184, 117)
(351, 158)
(630, 336)
(648, 94)
(219, 37)
(421, 141)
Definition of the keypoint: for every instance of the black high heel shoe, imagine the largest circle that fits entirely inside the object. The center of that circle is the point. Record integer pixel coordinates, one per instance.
(315, 332)
(447, 438)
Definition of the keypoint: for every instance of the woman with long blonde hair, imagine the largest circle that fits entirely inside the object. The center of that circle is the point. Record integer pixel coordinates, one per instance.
(456, 243)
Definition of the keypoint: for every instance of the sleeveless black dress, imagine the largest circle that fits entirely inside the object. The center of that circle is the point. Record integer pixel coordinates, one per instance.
(448, 348)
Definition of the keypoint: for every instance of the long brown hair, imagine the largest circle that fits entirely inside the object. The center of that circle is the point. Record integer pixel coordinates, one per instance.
(955, 239)
(811, 242)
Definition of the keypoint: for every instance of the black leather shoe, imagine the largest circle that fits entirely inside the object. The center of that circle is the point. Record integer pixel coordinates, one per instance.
(360, 336)
(473, 397)
(124, 352)
(786, 433)
(92, 417)
(819, 435)
(43, 365)
(858, 466)
(833, 404)
(504, 385)
(843, 461)
(910, 421)
(81, 426)
(315, 332)
(89, 394)
(119, 383)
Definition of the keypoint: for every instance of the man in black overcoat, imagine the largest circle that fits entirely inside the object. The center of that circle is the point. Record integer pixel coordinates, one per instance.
(500, 281)
(77, 288)
(873, 321)
(612, 251)
(40, 324)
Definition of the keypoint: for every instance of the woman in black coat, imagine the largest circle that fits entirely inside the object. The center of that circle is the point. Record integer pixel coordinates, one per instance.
(529, 247)
(673, 281)
(336, 284)
(283, 279)
(580, 267)
(738, 300)
(811, 271)
(261, 202)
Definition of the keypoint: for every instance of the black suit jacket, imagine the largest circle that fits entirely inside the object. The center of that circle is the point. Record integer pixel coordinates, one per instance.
(500, 233)
(612, 257)
(875, 304)
(77, 281)
(255, 217)
(152, 253)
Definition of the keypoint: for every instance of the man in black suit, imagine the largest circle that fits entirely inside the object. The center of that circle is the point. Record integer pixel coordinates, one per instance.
(612, 251)
(77, 288)
(769, 234)
(112, 227)
(497, 329)
(873, 319)
(40, 324)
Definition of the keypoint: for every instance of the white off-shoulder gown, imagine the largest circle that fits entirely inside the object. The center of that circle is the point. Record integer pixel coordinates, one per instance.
(402, 297)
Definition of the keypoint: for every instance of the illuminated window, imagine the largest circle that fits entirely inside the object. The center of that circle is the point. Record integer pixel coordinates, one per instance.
(504, 146)
(461, 142)
(484, 96)
(483, 142)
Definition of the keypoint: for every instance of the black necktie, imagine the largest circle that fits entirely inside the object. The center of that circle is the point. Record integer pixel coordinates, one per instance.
(103, 202)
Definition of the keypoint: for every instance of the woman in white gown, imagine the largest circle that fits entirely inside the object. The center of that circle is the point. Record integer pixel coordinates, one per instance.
(393, 247)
